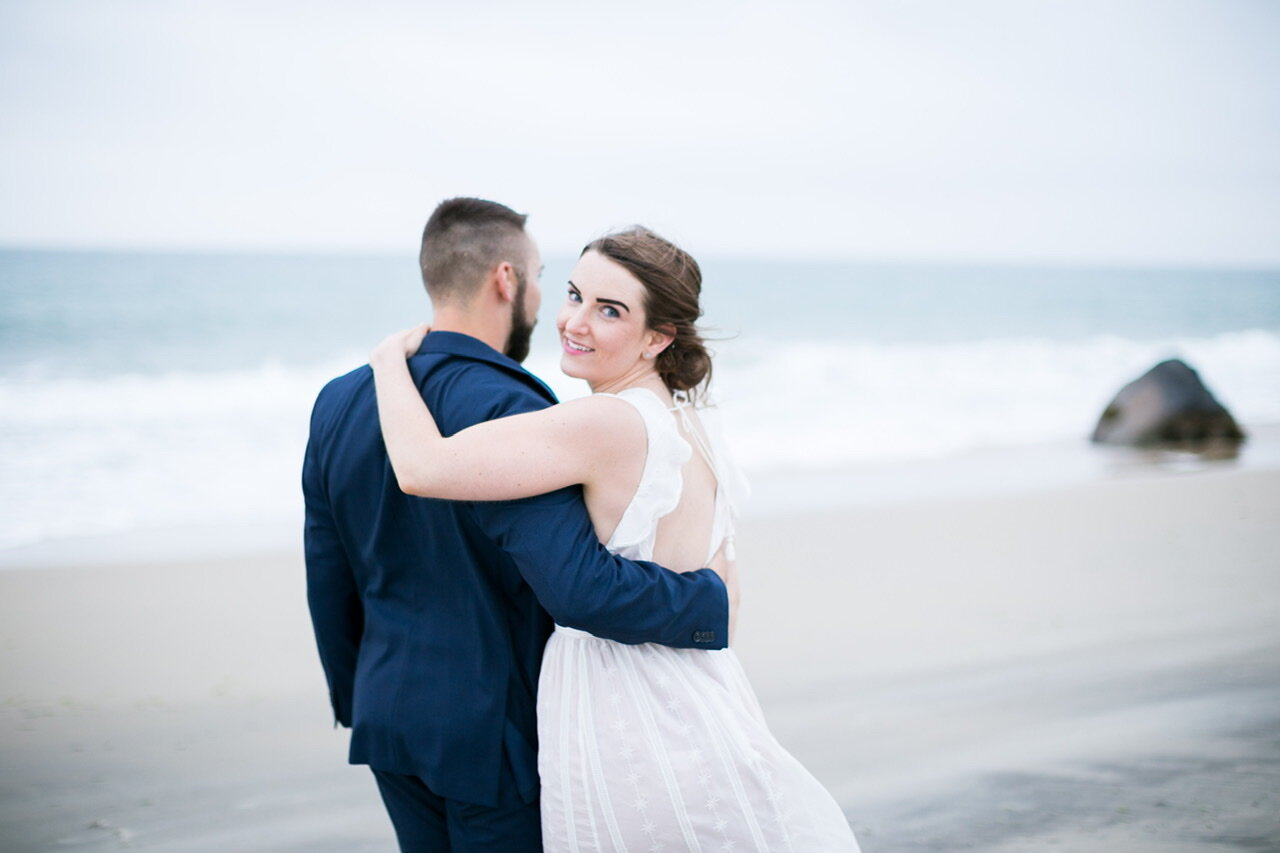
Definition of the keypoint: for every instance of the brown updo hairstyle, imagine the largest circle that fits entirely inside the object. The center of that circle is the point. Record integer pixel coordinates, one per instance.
(672, 285)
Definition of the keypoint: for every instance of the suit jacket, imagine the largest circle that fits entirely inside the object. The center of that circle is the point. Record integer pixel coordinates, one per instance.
(431, 616)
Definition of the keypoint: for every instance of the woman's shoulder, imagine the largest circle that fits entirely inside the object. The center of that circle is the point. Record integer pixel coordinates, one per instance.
(632, 417)
(606, 417)
(645, 400)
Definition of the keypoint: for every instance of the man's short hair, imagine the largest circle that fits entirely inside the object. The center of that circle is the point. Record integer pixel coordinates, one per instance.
(464, 239)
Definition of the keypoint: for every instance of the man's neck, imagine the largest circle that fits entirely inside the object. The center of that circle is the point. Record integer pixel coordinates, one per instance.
(484, 329)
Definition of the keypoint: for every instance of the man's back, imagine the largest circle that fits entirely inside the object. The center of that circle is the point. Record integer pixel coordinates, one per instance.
(423, 621)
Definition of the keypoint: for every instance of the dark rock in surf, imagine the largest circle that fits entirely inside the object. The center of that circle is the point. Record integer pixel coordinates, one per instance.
(1167, 406)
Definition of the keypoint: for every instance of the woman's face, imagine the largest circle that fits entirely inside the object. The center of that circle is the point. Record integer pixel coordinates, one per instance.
(603, 338)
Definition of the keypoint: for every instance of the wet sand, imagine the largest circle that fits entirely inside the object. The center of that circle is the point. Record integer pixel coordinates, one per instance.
(1092, 667)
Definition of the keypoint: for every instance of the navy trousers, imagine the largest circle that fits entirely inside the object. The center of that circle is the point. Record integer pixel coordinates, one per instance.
(428, 823)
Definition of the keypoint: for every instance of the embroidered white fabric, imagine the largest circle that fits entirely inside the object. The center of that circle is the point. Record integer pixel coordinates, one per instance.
(649, 748)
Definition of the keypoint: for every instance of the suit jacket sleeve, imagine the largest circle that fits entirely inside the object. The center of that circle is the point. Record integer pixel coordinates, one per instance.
(332, 596)
(554, 545)
(582, 585)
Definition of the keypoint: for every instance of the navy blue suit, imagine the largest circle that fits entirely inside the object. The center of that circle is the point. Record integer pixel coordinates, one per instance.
(431, 616)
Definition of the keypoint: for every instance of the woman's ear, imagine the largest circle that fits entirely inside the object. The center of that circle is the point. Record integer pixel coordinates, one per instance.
(658, 340)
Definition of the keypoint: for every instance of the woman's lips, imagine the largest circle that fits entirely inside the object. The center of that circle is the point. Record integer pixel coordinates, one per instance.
(574, 348)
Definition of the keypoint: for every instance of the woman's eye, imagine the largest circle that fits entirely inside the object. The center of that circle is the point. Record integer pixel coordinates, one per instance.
(610, 312)
(574, 296)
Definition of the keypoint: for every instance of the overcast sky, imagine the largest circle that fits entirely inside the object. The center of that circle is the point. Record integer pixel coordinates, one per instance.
(1133, 132)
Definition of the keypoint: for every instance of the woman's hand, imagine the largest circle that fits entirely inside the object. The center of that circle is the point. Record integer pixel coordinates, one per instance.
(400, 345)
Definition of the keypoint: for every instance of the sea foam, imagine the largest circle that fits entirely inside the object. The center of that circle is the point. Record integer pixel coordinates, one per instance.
(135, 452)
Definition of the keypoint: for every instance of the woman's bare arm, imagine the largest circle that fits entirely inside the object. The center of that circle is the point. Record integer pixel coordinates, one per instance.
(727, 569)
(502, 459)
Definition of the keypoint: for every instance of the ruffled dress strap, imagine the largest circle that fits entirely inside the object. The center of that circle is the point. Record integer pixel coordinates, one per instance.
(661, 482)
(732, 489)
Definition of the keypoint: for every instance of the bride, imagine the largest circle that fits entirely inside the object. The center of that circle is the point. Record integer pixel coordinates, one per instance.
(641, 747)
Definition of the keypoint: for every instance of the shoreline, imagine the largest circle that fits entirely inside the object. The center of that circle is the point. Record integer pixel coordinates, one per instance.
(1090, 666)
(974, 474)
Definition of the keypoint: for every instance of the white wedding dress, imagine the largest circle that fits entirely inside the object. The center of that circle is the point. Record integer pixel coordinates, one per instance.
(649, 748)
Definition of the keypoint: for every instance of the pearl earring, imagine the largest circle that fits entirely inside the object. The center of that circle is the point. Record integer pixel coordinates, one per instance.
(648, 355)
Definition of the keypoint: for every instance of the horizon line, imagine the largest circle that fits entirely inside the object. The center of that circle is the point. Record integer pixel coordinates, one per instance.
(939, 259)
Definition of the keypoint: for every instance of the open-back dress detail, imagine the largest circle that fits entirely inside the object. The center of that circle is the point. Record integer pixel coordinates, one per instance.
(650, 748)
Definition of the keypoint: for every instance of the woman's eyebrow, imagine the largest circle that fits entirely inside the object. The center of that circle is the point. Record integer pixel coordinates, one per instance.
(617, 302)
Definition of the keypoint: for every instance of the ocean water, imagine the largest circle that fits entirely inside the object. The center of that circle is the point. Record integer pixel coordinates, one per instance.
(143, 393)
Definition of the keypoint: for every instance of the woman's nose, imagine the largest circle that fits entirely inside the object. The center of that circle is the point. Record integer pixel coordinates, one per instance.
(578, 319)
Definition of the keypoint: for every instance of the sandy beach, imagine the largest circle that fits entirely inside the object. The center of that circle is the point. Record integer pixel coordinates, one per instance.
(1093, 666)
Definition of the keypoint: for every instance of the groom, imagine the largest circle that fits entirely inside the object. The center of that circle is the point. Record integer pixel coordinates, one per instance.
(431, 616)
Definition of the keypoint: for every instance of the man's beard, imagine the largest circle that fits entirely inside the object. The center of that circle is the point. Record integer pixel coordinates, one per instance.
(517, 346)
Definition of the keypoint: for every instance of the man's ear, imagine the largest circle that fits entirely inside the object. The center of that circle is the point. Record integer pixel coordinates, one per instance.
(504, 279)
